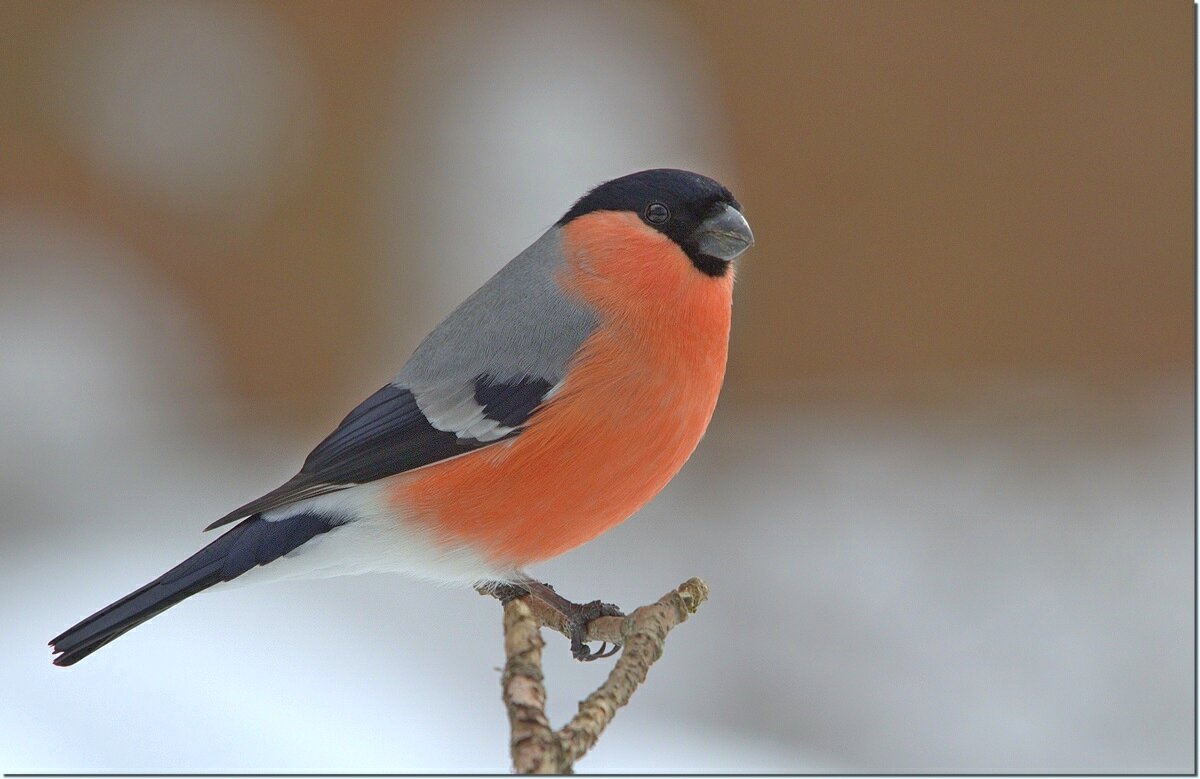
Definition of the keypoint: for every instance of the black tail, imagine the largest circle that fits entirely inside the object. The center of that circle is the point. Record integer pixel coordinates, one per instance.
(252, 542)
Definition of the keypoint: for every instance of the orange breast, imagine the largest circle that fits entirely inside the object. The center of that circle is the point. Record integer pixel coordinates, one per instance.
(633, 406)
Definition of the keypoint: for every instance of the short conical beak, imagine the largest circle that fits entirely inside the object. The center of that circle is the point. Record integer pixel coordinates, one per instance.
(725, 235)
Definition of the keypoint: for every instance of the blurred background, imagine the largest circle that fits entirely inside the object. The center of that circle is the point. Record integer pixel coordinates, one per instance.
(945, 506)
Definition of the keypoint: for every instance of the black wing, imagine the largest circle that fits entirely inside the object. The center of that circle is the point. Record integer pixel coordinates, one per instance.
(388, 434)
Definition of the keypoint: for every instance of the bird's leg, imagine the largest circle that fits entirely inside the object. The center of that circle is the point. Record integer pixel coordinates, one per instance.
(506, 593)
(576, 615)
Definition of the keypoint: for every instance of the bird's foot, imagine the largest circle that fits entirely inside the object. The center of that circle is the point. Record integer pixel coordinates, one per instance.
(576, 616)
(577, 620)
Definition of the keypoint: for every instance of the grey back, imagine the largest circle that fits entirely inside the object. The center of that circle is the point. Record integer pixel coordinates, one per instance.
(518, 324)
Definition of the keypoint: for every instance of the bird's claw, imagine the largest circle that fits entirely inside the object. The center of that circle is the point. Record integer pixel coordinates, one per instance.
(583, 653)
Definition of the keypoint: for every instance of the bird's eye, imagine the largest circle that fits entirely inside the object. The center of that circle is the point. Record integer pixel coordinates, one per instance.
(657, 213)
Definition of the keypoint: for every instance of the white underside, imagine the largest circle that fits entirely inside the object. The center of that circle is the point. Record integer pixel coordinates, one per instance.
(374, 538)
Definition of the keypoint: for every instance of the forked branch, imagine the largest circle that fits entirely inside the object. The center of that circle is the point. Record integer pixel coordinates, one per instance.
(537, 748)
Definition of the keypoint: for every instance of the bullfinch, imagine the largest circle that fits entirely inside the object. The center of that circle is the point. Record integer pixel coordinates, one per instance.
(551, 405)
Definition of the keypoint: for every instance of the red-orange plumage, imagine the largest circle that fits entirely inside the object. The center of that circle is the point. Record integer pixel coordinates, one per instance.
(632, 408)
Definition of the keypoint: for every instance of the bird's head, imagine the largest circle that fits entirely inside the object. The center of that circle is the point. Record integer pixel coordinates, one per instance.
(698, 215)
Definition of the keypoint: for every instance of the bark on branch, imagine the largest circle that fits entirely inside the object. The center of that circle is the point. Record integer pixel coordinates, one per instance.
(537, 748)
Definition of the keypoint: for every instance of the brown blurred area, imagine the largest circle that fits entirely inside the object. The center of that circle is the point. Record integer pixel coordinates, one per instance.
(935, 187)
(965, 186)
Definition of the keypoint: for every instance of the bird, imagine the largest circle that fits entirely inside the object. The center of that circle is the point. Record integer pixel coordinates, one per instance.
(547, 408)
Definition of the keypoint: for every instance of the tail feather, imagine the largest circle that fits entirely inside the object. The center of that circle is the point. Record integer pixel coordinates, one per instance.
(254, 541)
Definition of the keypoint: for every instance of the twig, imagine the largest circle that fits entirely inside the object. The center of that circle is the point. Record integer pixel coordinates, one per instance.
(535, 747)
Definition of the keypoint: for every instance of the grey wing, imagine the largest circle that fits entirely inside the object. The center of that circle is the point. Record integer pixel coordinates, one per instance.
(474, 381)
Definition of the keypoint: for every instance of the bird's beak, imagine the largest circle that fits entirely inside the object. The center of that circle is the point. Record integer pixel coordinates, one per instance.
(725, 235)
